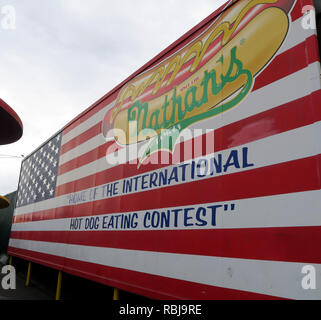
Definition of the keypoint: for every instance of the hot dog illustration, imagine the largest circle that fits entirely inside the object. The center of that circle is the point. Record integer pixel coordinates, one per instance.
(211, 75)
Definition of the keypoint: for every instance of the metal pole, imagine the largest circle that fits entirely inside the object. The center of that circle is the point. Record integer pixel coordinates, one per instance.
(116, 294)
(28, 274)
(58, 291)
(10, 263)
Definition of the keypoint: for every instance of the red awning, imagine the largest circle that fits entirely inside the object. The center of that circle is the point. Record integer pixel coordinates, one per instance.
(10, 124)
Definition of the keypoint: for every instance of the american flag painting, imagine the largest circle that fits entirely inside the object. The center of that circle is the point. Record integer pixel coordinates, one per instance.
(110, 197)
(39, 174)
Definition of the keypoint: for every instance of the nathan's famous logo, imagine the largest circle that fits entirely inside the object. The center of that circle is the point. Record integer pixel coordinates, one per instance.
(211, 75)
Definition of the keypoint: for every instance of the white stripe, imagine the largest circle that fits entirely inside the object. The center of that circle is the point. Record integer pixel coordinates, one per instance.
(296, 35)
(280, 279)
(283, 210)
(290, 145)
(83, 148)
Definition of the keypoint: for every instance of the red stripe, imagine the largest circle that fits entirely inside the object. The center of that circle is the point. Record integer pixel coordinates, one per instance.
(88, 157)
(287, 117)
(45, 259)
(290, 116)
(288, 177)
(286, 63)
(296, 12)
(312, 49)
(83, 137)
(155, 287)
(290, 244)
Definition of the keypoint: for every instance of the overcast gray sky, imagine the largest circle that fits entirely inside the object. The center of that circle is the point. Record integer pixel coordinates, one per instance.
(63, 55)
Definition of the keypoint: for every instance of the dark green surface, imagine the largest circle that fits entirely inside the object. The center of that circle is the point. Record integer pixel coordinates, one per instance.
(5, 222)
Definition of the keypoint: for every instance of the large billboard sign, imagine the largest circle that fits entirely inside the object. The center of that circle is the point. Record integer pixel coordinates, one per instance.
(198, 176)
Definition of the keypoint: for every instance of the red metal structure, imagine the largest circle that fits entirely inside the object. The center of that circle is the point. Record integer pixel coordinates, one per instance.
(11, 126)
(10, 131)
